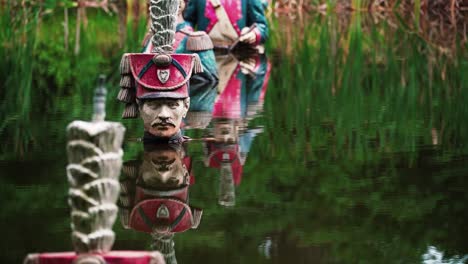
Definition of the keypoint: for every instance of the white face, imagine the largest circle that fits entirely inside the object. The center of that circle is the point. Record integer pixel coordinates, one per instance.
(226, 131)
(162, 117)
(164, 169)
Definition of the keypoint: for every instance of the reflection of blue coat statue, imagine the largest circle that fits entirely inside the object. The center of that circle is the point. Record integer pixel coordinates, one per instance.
(253, 99)
(242, 88)
(241, 97)
(255, 88)
(202, 15)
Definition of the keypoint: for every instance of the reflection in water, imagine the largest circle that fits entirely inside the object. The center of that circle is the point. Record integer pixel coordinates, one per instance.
(243, 81)
(265, 247)
(155, 190)
(434, 256)
(362, 157)
(155, 196)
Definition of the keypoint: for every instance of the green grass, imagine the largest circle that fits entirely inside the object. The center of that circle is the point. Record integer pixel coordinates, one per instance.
(384, 90)
(47, 82)
(16, 74)
(346, 162)
(348, 77)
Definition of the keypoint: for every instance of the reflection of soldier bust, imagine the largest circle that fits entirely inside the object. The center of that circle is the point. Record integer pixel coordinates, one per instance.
(164, 243)
(163, 169)
(154, 196)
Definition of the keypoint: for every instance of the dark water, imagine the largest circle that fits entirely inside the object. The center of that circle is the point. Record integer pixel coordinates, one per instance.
(348, 146)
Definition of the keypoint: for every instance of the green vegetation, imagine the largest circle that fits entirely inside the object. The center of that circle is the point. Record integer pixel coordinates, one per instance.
(363, 161)
(44, 81)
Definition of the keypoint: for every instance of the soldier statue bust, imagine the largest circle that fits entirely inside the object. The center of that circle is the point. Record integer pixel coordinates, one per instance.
(156, 84)
(156, 87)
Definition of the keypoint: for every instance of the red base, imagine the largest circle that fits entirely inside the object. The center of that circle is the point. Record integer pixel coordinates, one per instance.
(113, 257)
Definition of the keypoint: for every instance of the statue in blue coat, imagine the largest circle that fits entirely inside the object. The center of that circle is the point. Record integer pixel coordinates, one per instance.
(229, 22)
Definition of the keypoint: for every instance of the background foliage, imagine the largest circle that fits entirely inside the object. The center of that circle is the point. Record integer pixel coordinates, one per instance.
(363, 161)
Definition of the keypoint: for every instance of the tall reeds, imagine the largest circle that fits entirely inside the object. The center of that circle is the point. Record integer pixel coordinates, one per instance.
(364, 158)
(18, 41)
(362, 89)
(48, 77)
(45, 80)
(417, 7)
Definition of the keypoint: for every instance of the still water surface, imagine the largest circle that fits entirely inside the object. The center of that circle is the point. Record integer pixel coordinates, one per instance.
(348, 145)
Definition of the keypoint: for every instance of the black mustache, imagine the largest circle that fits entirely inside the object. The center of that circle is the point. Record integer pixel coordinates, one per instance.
(162, 123)
(163, 167)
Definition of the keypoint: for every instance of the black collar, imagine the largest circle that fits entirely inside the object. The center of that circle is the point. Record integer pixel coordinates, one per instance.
(178, 138)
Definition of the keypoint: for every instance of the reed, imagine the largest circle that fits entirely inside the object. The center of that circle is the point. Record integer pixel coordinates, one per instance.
(415, 6)
(18, 43)
(46, 80)
(347, 90)
(365, 154)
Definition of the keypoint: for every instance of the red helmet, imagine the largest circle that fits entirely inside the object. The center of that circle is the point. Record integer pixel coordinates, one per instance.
(150, 76)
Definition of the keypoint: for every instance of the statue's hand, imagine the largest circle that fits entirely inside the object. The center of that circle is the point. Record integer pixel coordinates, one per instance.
(248, 66)
(248, 36)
